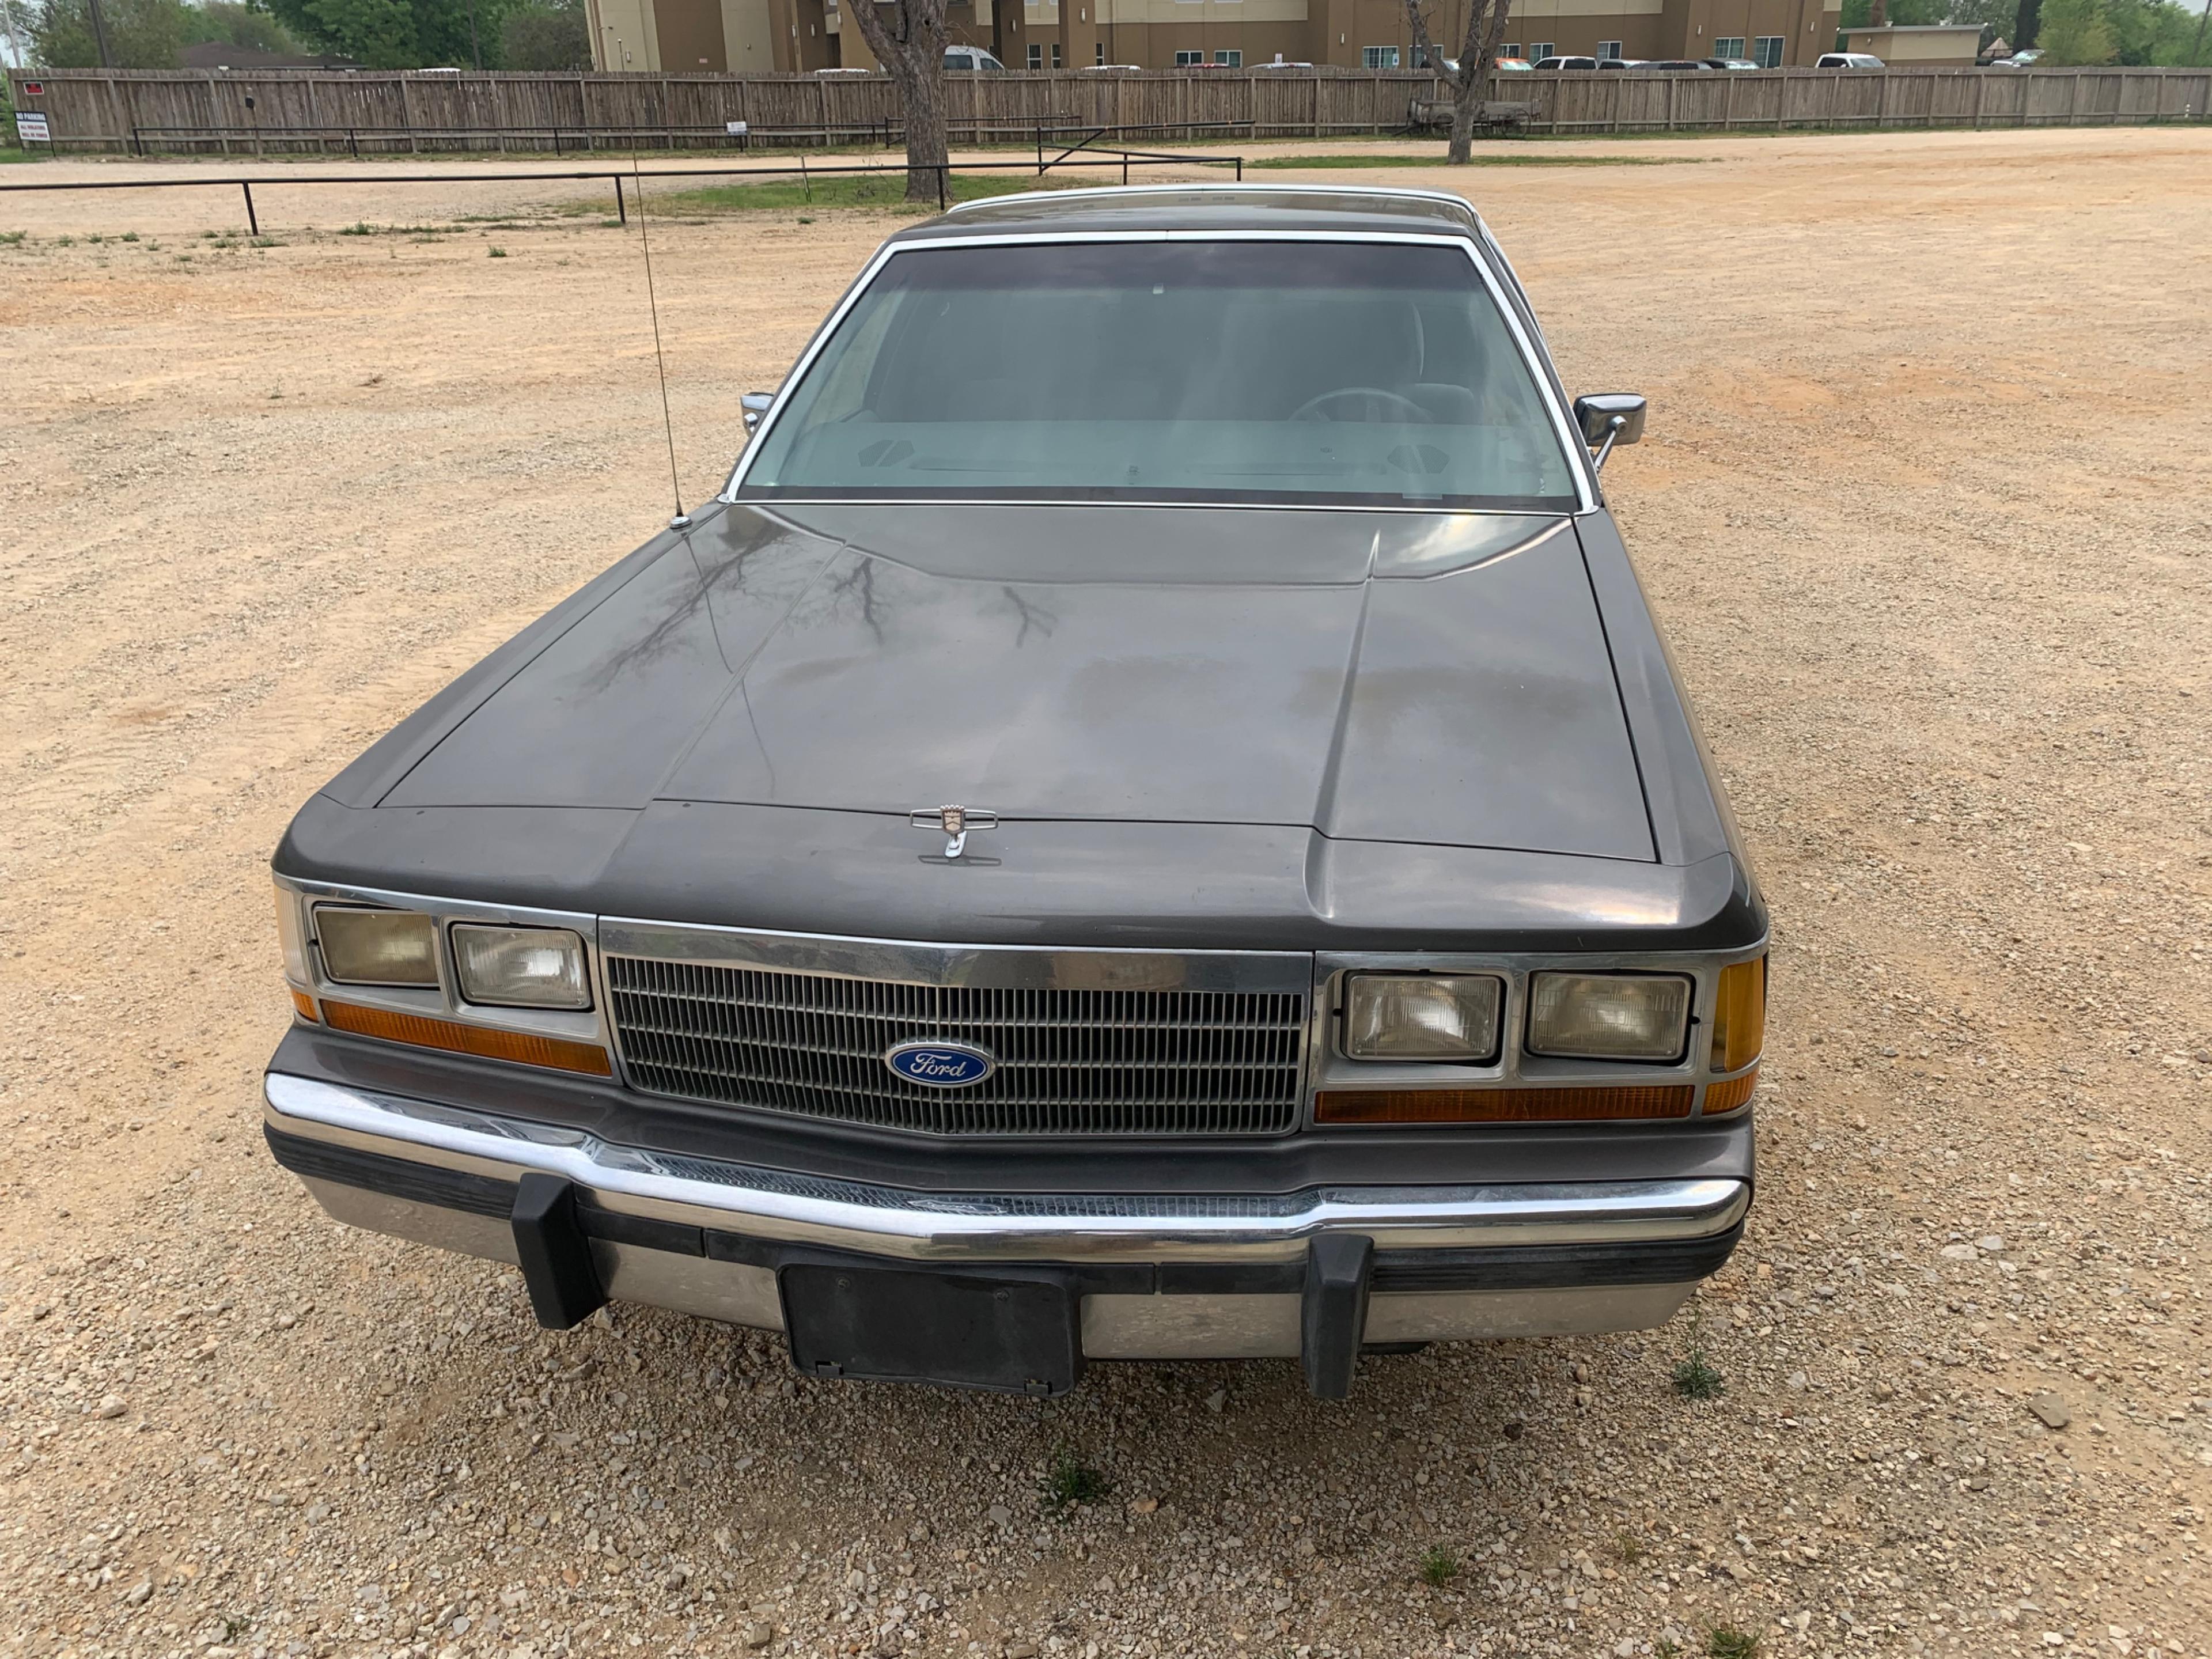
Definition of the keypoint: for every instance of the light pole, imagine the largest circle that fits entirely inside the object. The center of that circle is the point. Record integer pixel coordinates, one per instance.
(99, 34)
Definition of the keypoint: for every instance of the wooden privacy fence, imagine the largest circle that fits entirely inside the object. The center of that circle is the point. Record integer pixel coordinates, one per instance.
(237, 112)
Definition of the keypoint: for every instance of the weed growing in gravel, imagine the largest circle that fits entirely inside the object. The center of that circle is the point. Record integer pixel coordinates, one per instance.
(1071, 1482)
(358, 227)
(1665, 1648)
(1625, 1546)
(1726, 1642)
(9, 237)
(1695, 1378)
(1439, 1566)
(498, 252)
(127, 236)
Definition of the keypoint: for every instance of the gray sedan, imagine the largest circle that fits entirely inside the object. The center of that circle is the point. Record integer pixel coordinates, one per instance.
(1150, 819)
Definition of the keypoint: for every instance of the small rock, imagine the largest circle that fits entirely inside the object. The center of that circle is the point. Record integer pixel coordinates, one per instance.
(759, 1633)
(1000, 1516)
(285, 1321)
(1024, 1648)
(1957, 1253)
(137, 1595)
(113, 1406)
(1214, 1402)
(1798, 1380)
(1514, 1428)
(1144, 1505)
(2051, 1408)
(1990, 1243)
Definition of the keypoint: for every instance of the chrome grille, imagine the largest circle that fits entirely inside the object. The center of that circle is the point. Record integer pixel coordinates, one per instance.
(1070, 1062)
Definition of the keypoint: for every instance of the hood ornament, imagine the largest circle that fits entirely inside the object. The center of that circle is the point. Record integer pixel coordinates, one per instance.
(954, 822)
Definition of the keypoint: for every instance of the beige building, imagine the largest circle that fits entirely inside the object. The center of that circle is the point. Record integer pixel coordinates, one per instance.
(1920, 46)
(754, 36)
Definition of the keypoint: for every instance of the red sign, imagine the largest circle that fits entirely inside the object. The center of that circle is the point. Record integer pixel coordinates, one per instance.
(35, 89)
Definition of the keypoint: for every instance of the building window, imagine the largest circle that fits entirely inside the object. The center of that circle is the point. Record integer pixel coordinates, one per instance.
(1098, 52)
(1543, 50)
(1185, 59)
(1608, 48)
(1766, 49)
(1727, 46)
(1511, 48)
(1036, 57)
(1378, 58)
(1055, 54)
(1230, 59)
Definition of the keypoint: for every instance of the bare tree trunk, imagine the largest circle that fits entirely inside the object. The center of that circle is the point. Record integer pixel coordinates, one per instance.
(1485, 32)
(908, 38)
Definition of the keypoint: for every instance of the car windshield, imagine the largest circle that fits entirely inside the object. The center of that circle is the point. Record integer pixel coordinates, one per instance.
(1229, 371)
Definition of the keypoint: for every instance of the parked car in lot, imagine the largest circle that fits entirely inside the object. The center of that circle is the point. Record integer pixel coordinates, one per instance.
(1852, 60)
(1686, 65)
(1568, 63)
(1732, 64)
(1620, 62)
(1136, 843)
(2027, 59)
(972, 59)
(1509, 65)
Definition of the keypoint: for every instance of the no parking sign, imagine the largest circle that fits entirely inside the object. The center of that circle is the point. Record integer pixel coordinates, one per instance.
(31, 126)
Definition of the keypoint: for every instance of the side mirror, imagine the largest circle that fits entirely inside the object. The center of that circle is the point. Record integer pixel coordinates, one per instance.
(1597, 415)
(754, 405)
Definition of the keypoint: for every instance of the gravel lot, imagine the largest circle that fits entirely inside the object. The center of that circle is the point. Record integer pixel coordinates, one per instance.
(1924, 508)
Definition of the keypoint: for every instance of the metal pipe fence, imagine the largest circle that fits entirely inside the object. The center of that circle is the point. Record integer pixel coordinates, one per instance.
(804, 171)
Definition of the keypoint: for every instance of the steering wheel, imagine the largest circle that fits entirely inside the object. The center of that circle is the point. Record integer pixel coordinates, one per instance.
(1316, 408)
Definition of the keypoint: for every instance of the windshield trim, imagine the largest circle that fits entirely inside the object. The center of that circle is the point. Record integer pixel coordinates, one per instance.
(1538, 364)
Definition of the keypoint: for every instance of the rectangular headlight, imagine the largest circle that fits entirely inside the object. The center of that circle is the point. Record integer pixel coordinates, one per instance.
(377, 947)
(1608, 1016)
(521, 966)
(1447, 1017)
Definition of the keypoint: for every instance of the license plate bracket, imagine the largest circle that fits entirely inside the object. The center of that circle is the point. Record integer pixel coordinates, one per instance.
(1011, 1332)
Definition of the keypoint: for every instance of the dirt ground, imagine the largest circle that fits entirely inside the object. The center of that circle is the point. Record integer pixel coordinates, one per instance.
(1924, 506)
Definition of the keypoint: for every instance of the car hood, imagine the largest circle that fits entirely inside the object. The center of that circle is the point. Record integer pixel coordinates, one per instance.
(1439, 679)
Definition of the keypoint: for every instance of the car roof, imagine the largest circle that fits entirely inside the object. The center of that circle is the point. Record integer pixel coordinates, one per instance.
(1225, 207)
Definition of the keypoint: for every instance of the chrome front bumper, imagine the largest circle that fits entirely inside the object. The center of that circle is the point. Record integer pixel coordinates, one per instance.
(1164, 1276)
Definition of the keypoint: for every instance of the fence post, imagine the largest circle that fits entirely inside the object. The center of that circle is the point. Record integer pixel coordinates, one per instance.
(407, 111)
(1727, 101)
(1981, 86)
(621, 208)
(1881, 104)
(2073, 98)
(1670, 103)
(1316, 86)
(252, 224)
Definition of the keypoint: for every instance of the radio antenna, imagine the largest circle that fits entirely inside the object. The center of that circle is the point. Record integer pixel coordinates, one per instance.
(683, 519)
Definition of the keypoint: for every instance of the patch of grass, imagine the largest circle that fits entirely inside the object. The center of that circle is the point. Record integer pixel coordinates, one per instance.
(127, 236)
(358, 227)
(868, 189)
(1665, 1648)
(1627, 1547)
(1439, 1566)
(1071, 1482)
(10, 238)
(65, 242)
(497, 253)
(1726, 1642)
(1486, 160)
(266, 241)
(1695, 1377)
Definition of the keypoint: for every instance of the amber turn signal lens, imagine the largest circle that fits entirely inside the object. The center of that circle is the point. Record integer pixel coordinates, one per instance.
(1727, 1096)
(456, 1038)
(1500, 1105)
(1740, 1015)
(305, 1004)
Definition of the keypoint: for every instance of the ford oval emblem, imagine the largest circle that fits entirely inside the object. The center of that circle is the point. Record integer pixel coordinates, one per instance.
(941, 1065)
